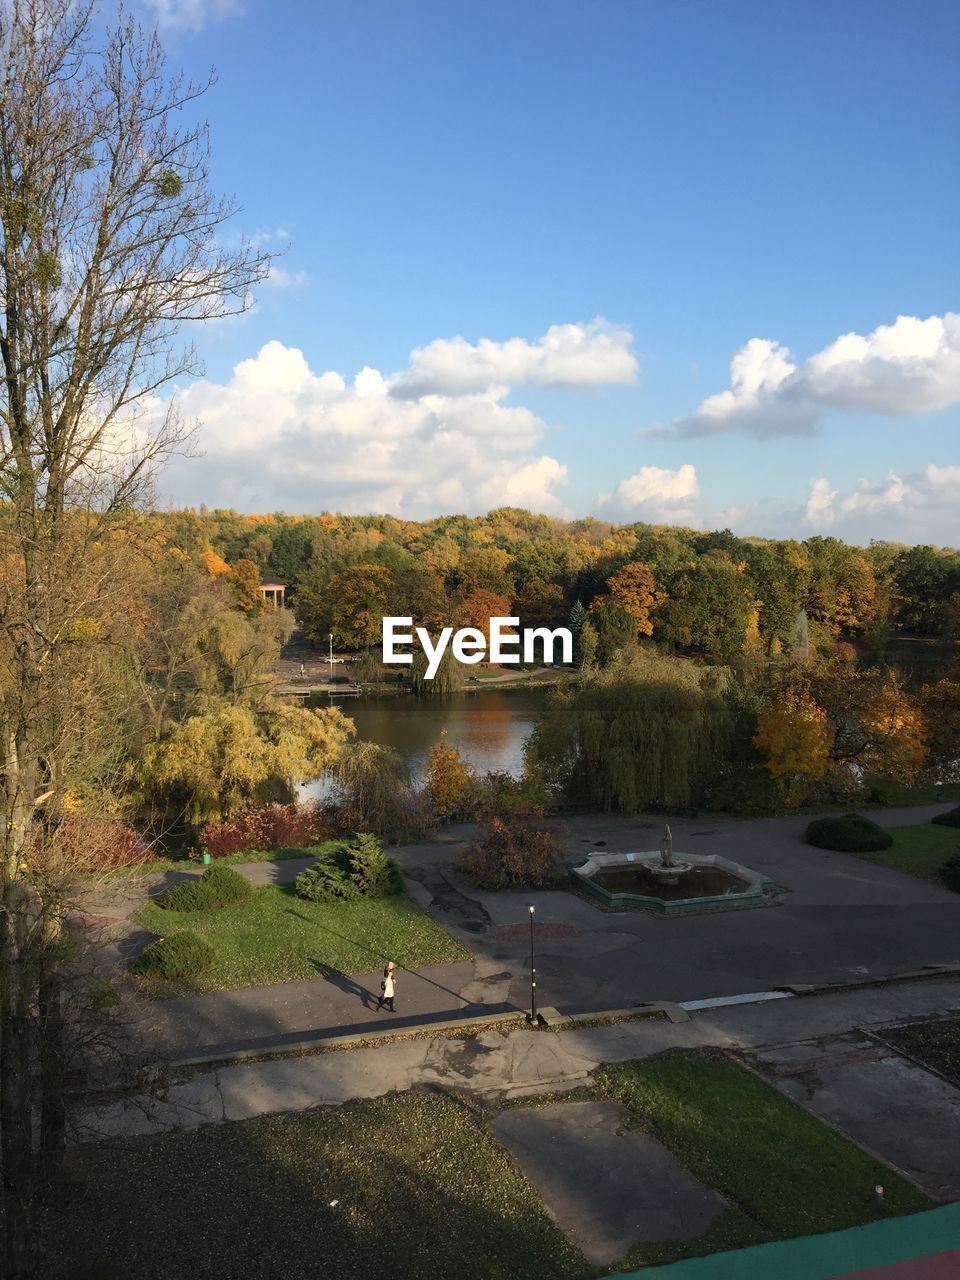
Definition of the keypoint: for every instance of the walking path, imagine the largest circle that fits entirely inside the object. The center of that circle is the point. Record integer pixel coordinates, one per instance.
(504, 1064)
(840, 919)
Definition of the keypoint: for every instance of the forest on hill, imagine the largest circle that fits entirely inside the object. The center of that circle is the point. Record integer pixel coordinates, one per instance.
(711, 593)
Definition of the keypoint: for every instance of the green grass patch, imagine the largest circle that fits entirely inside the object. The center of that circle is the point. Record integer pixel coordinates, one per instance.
(784, 1172)
(274, 936)
(920, 851)
(421, 1188)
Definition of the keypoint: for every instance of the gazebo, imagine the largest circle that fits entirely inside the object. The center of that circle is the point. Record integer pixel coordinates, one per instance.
(273, 591)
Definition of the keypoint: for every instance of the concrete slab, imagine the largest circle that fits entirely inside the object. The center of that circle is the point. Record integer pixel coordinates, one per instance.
(607, 1186)
(296, 1084)
(907, 1116)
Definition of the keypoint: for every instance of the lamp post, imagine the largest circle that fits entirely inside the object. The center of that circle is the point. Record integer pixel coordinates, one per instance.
(331, 657)
(533, 975)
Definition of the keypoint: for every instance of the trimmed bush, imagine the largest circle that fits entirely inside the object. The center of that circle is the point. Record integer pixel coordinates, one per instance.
(350, 869)
(217, 887)
(182, 955)
(949, 819)
(950, 872)
(848, 834)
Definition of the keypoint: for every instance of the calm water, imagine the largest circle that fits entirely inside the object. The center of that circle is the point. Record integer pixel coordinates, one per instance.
(488, 729)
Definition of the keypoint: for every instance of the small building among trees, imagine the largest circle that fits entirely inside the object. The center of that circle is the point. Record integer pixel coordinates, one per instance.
(273, 592)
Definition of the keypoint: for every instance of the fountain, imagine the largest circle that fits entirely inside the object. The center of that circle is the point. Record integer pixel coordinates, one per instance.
(670, 885)
(669, 869)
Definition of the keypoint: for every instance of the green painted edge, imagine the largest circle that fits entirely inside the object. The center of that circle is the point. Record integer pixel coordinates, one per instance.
(826, 1257)
(759, 895)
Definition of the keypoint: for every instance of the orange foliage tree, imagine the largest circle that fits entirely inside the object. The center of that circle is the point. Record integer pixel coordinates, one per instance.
(450, 779)
(633, 589)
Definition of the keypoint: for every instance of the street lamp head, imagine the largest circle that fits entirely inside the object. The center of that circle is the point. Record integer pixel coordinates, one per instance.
(531, 910)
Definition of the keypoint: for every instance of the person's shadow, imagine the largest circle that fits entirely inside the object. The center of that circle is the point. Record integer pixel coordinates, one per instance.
(343, 982)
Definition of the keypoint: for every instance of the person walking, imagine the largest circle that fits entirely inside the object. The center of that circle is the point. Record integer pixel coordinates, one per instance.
(388, 988)
(301, 670)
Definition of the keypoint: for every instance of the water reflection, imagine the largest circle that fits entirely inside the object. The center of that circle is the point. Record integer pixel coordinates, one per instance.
(488, 729)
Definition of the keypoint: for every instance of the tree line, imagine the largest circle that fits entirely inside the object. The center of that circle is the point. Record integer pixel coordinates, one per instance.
(702, 592)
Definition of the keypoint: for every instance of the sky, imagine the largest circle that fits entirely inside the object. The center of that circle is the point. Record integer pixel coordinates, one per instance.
(693, 261)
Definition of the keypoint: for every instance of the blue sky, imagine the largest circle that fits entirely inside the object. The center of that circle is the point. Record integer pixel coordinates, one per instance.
(697, 175)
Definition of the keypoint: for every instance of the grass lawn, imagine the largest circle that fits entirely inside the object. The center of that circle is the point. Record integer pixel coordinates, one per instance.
(277, 937)
(919, 850)
(422, 1190)
(935, 1043)
(784, 1172)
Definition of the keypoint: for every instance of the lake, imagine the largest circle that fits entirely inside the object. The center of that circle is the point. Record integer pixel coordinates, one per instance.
(488, 728)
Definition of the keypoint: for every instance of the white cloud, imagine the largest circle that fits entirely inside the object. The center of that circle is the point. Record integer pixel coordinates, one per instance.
(277, 435)
(896, 507)
(653, 494)
(192, 15)
(568, 355)
(277, 278)
(911, 366)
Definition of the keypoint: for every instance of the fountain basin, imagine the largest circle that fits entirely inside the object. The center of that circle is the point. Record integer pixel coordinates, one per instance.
(706, 882)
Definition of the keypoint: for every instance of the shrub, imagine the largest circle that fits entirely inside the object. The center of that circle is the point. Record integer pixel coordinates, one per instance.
(515, 853)
(326, 882)
(375, 875)
(88, 843)
(181, 955)
(950, 872)
(949, 819)
(349, 869)
(217, 887)
(272, 826)
(848, 834)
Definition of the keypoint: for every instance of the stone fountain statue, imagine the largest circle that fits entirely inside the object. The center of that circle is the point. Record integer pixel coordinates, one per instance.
(669, 869)
(666, 847)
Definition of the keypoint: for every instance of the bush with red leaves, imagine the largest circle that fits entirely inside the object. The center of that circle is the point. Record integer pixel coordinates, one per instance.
(515, 853)
(86, 843)
(273, 826)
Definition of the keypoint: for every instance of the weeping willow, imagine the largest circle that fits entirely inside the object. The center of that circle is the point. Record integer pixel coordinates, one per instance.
(644, 733)
(450, 676)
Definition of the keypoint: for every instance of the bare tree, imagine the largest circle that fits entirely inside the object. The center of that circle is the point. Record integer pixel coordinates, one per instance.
(111, 240)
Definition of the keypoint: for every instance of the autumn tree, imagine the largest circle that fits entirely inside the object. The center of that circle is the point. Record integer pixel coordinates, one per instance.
(476, 610)
(109, 242)
(450, 780)
(795, 736)
(633, 590)
(940, 708)
(220, 761)
(245, 584)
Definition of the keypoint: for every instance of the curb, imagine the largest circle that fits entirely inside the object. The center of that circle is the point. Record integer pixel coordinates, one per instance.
(549, 1017)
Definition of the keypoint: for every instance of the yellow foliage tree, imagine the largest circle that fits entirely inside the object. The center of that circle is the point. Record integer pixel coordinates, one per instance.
(796, 736)
(449, 778)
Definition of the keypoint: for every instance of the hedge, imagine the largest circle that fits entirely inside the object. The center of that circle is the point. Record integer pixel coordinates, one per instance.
(217, 887)
(851, 833)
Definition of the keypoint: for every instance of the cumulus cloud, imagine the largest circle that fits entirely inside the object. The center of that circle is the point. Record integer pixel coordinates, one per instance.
(568, 355)
(892, 507)
(653, 494)
(277, 435)
(192, 15)
(911, 366)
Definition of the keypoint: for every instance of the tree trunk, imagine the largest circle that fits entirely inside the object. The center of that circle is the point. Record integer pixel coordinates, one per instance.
(53, 1115)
